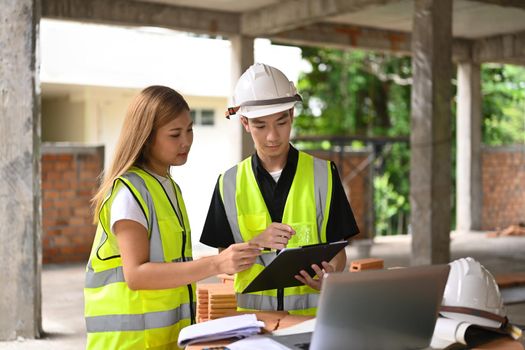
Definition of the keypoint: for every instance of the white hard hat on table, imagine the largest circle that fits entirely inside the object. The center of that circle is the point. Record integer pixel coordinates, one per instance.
(472, 295)
(262, 90)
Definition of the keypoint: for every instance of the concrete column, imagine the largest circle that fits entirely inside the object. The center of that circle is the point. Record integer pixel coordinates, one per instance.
(430, 136)
(468, 164)
(20, 199)
(242, 58)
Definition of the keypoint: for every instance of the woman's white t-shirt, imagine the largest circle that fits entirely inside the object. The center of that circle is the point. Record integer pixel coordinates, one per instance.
(125, 206)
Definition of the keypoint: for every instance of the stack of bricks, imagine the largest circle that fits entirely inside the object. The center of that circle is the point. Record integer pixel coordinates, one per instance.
(503, 179)
(221, 301)
(215, 300)
(69, 181)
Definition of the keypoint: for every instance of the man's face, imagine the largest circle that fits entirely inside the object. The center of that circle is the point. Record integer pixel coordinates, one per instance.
(271, 133)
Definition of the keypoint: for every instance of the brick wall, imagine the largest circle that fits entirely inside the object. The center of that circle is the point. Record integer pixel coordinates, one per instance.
(503, 178)
(356, 175)
(69, 179)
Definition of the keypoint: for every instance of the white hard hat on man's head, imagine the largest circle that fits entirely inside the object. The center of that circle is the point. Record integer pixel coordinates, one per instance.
(262, 90)
(472, 295)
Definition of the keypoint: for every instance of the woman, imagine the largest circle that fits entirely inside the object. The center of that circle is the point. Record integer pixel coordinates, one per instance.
(139, 290)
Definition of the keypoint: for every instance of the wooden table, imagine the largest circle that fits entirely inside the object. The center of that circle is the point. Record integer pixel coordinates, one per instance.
(281, 319)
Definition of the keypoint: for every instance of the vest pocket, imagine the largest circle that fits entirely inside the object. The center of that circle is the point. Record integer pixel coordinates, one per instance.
(171, 237)
(253, 225)
(305, 234)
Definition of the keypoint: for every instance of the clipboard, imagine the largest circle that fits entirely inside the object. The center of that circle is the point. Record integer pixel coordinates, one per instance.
(281, 271)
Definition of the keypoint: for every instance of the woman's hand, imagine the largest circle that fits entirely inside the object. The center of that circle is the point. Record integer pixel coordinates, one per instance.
(237, 257)
(317, 281)
(276, 236)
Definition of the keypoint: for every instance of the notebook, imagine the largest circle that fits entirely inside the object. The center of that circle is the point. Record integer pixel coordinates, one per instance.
(380, 309)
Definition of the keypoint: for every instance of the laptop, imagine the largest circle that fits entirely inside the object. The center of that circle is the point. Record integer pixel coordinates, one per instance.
(379, 309)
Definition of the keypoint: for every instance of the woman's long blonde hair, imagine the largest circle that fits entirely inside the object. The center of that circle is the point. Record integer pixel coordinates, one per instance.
(153, 108)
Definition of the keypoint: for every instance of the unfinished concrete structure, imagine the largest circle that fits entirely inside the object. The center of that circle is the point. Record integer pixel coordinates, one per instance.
(469, 32)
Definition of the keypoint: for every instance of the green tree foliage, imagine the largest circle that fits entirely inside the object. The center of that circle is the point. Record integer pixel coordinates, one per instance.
(368, 94)
(503, 104)
(354, 93)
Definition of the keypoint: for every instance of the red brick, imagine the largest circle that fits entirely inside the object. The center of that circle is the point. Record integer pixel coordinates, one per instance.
(82, 212)
(77, 221)
(53, 175)
(61, 241)
(85, 193)
(62, 203)
(51, 194)
(69, 230)
(69, 176)
(70, 193)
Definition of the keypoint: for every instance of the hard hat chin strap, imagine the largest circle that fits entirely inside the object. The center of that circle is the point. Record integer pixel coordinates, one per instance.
(254, 103)
(476, 312)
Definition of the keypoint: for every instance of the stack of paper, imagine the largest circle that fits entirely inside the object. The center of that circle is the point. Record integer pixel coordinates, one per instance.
(227, 327)
(449, 331)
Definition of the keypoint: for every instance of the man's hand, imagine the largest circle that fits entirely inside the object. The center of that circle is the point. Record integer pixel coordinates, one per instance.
(237, 257)
(317, 281)
(276, 236)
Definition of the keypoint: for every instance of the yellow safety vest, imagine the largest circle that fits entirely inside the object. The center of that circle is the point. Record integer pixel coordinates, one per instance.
(118, 317)
(306, 210)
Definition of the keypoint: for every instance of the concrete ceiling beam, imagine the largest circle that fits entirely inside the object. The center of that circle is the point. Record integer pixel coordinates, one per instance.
(508, 48)
(292, 14)
(137, 13)
(346, 36)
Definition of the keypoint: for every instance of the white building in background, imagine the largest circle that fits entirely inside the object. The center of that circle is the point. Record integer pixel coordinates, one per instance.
(90, 73)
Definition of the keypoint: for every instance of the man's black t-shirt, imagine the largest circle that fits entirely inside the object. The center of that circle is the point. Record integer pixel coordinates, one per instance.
(341, 222)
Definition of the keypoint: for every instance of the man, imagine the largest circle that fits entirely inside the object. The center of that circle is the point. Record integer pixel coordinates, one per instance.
(279, 197)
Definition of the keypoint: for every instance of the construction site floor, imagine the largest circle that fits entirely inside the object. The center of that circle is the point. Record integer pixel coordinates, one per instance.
(62, 298)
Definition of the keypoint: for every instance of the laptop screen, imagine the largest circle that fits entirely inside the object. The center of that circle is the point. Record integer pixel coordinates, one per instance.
(380, 309)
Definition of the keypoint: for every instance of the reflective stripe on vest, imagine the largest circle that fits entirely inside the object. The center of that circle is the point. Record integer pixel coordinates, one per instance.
(150, 320)
(267, 302)
(313, 189)
(102, 278)
(154, 316)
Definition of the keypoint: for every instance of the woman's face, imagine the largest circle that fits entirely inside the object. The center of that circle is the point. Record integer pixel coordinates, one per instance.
(171, 144)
